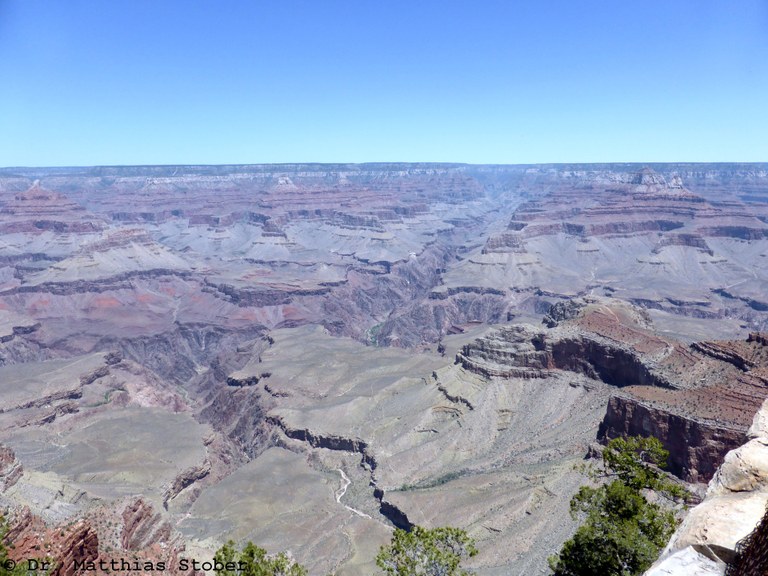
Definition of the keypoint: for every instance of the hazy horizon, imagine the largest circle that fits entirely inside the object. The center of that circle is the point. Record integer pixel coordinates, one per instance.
(638, 164)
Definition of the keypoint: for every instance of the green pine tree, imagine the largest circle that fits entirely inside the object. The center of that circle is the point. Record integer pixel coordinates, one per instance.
(256, 562)
(622, 533)
(422, 552)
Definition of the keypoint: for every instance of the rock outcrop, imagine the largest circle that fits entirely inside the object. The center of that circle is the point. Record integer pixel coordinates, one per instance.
(687, 562)
(29, 538)
(706, 413)
(10, 468)
(185, 480)
(734, 504)
(143, 527)
(143, 536)
(696, 447)
(81, 545)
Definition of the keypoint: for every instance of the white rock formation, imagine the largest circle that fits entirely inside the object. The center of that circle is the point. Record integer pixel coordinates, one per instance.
(686, 561)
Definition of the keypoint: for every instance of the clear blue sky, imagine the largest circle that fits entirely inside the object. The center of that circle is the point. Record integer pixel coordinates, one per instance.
(86, 82)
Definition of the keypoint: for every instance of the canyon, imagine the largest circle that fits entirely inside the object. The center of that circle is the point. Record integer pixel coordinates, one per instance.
(316, 354)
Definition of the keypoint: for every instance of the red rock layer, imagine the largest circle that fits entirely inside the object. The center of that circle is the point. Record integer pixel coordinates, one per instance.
(146, 539)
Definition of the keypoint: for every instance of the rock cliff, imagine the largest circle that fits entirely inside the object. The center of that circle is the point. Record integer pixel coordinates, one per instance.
(696, 448)
(735, 503)
(706, 414)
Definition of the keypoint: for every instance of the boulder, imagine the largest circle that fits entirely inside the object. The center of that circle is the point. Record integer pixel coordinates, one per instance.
(687, 561)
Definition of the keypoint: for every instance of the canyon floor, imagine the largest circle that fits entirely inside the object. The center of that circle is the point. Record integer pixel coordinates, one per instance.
(308, 356)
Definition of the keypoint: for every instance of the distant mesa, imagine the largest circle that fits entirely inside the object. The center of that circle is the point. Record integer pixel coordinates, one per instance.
(39, 209)
(37, 198)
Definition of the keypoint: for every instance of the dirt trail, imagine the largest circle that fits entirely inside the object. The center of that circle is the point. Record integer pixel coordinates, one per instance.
(343, 490)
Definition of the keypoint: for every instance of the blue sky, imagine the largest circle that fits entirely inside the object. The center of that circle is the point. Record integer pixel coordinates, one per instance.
(89, 82)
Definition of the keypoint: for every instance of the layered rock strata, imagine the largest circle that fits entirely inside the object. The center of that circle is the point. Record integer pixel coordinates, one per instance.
(157, 340)
(706, 413)
(657, 237)
(401, 253)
